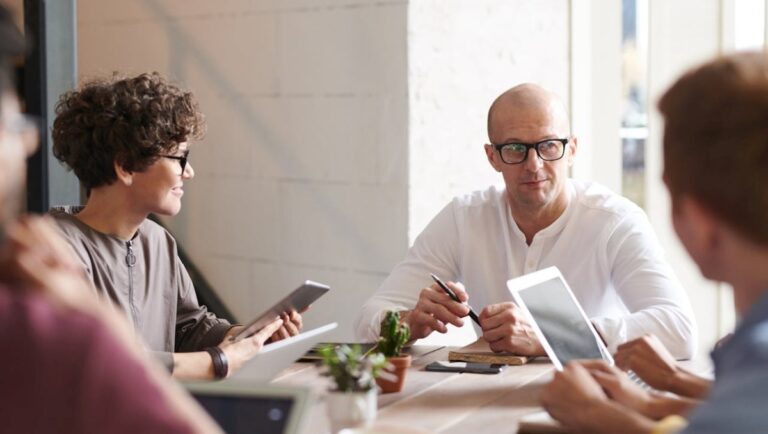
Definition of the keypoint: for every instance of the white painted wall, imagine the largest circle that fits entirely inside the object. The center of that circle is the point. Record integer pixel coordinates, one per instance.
(461, 56)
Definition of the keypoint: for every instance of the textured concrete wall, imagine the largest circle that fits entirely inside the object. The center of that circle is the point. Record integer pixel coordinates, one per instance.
(302, 174)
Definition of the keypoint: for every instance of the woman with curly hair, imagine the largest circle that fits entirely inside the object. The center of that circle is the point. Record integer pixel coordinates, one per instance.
(127, 140)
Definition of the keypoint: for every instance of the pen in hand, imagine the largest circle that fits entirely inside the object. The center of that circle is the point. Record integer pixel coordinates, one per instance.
(472, 313)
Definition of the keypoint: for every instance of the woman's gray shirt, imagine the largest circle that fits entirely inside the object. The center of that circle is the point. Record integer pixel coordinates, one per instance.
(146, 279)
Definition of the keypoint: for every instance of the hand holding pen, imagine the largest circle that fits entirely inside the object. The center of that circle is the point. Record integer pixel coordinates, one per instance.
(454, 297)
(434, 310)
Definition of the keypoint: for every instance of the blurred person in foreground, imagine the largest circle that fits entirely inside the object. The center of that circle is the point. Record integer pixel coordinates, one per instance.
(716, 170)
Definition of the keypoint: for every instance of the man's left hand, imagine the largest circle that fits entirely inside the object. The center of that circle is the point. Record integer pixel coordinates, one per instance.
(506, 330)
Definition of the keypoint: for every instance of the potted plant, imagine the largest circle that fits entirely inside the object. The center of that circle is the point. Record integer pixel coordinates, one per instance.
(393, 337)
(353, 401)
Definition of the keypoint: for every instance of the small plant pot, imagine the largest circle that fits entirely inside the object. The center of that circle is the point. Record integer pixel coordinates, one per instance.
(351, 409)
(400, 365)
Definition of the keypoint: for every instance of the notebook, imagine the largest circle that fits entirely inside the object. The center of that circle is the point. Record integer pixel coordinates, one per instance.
(275, 357)
(480, 352)
(246, 407)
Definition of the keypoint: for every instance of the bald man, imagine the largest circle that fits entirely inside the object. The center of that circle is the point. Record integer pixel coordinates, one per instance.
(601, 242)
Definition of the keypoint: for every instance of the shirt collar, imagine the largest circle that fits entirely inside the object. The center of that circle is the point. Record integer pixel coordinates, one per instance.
(557, 226)
(757, 314)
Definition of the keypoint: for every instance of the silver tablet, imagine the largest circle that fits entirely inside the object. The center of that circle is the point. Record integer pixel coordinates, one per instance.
(297, 300)
(277, 356)
(560, 323)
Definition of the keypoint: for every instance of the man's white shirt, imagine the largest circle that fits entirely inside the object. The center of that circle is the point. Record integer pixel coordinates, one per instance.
(603, 244)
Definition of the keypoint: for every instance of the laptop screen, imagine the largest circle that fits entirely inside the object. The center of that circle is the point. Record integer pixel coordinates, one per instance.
(248, 414)
(557, 315)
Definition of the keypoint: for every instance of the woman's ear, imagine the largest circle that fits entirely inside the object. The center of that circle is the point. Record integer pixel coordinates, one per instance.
(123, 175)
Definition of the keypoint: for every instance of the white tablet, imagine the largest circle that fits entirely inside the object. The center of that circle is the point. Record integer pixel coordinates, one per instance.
(275, 357)
(243, 407)
(556, 316)
(299, 299)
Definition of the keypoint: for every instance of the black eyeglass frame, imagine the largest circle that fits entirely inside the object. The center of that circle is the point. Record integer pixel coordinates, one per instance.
(182, 159)
(529, 146)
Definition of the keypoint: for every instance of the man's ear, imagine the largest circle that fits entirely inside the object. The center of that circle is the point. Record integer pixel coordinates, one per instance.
(124, 176)
(492, 155)
(573, 145)
(699, 215)
(699, 230)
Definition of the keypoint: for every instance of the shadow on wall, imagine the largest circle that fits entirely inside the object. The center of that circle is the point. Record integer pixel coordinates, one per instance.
(183, 51)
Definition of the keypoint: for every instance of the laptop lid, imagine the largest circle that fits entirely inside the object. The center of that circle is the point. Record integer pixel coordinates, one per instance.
(557, 318)
(245, 407)
(275, 357)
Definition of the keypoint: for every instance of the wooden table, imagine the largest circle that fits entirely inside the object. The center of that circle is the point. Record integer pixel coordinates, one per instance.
(438, 402)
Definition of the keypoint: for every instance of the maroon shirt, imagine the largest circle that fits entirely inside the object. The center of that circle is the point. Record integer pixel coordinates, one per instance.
(60, 371)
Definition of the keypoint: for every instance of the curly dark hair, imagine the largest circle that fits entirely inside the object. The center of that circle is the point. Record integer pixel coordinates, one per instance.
(131, 121)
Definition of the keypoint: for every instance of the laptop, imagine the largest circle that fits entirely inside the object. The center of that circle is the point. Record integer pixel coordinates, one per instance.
(246, 407)
(275, 357)
(560, 323)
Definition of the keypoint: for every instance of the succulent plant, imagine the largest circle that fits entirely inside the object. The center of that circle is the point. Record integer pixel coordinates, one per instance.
(352, 370)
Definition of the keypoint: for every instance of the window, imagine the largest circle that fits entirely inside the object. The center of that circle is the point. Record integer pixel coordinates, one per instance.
(634, 118)
(748, 24)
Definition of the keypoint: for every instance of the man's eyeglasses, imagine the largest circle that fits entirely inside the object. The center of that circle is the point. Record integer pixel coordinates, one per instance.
(181, 158)
(547, 150)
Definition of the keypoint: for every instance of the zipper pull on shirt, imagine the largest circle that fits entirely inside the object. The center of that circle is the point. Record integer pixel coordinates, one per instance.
(130, 258)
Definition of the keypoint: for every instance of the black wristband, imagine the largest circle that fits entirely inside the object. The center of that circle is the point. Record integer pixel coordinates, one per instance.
(220, 362)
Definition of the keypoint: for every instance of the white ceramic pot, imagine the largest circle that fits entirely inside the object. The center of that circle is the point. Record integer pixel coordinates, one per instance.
(351, 409)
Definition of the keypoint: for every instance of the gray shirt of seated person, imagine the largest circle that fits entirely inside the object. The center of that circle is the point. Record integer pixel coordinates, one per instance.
(738, 401)
(146, 279)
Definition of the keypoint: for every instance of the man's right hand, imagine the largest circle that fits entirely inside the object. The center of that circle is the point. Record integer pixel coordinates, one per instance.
(650, 360)
(435, 309)
(243, 350)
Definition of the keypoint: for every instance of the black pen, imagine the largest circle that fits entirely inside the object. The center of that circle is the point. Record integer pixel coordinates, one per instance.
(453, 296)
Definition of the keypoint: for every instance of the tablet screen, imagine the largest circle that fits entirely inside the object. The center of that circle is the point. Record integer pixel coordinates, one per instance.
(248, 414)
(558, 316)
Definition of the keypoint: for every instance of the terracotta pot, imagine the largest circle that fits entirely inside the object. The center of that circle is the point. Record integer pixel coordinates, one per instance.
(400, 367)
